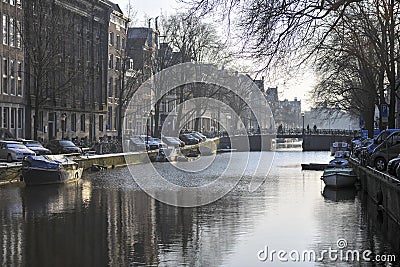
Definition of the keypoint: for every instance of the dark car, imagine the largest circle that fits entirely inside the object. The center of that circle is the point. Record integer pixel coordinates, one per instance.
(393, 165)
(387, 150)
(363, 145)
(199, 135)
(189, 139)
(36, 147)
(63, 147)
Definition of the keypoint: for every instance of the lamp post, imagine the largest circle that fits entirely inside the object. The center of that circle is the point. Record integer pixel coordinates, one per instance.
(151, 122)
(148, 126)
(63, 125)
(302, 115)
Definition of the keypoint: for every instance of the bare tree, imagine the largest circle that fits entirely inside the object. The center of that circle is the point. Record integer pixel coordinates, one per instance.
(43, 38)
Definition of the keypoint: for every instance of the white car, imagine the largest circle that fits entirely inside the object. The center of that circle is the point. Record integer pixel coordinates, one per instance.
(14, 151)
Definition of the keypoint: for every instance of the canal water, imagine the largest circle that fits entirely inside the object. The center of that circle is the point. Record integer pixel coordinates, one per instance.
(107, 220)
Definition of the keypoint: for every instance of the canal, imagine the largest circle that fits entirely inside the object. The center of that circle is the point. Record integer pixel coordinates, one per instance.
(107, 220)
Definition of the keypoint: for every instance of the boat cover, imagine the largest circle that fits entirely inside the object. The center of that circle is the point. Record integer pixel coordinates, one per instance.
(41, 162)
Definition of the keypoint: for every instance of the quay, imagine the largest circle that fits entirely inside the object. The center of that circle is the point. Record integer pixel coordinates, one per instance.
(11, 172)
(383, 188)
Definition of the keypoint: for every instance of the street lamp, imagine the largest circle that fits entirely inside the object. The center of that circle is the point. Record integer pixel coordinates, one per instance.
(148, 130)
(151, 122)
(302, 115)
(63, 125)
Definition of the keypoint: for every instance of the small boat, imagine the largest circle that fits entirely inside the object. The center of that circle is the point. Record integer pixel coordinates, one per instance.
(314, 166)
(339, 146)
(40, 170)
(339, 177)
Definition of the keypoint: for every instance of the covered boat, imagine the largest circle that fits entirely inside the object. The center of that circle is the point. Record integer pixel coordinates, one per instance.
(339, 146)
(38, 170)
(339, 177)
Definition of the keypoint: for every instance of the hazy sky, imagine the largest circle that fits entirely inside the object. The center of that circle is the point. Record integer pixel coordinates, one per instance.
(295, 87)
(149, 8)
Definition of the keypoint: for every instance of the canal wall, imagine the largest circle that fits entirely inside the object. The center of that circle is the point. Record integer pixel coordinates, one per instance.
(244, 142)
(381, 187)
(322, 142)
(11, 172)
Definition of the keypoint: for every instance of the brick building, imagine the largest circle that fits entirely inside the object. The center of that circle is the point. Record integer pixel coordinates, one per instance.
(12, 93)
(75, 98)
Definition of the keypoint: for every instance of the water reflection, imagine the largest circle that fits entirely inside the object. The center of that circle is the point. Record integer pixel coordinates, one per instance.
(340, 194)
(105, 219)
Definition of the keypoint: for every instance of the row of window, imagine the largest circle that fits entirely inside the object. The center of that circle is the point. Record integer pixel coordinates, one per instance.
(14, 2)
(118, 41)
(11, 32)
(110, 125)
(73, 122)
(11, 82)
(12, 117)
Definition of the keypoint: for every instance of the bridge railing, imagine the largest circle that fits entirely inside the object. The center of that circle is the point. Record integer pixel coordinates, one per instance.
(286, 132)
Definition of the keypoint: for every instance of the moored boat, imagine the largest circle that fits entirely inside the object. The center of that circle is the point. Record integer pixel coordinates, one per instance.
(339, 146)
(40, 170)
(339, 177)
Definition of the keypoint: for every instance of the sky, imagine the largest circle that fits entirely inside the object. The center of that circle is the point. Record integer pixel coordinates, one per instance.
(288, 88)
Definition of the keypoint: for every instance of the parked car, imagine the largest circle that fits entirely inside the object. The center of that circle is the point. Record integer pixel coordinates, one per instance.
(63, 147)
(14, 151)
(199, 135)
(35, 146)
(189, 139)
(150, 142)
(161, 143)
(380, 138)
(392, 166)
(362, 146)
(137, 144)
(173, 141)
(387, 150)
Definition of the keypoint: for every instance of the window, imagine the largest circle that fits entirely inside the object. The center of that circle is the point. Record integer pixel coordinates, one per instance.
(73, 122)
(20, 117)
(101, 127)
(123, 43)
(109, 119)
(98, 53)
(111, 39)
(40, 122)
(83, 122)
(117, 63)
(79, 48)
(5, 75)
(18, 35)
(12, 31)
(117, 88)
(19, 3)
(116, 120)
(5, 117)
(13, 113)
(110, 87)
(5, 30)
(12, 2)
(12, 77)
(19, 80)
(111, 61)
(118, 44)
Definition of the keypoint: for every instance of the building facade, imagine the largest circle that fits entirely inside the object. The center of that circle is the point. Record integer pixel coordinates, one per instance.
(142, 48)
(118, 63)
(73, 103)
(12, 91)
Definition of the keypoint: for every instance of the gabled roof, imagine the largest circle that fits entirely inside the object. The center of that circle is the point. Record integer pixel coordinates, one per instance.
(114, 6)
